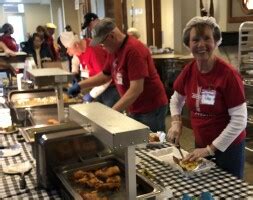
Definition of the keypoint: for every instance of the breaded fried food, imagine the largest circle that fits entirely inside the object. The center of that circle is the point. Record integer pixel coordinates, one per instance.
(92, 196)
(153, 137)
(107, 172)
(189, 166)
(108, 186)
(79, 174)
(113, 179)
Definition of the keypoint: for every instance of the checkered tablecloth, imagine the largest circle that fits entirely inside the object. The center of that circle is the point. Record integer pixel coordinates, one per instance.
(221, 184)
(9, 184)
(218, 182)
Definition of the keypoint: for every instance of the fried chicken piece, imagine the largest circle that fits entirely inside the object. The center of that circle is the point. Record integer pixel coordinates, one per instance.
(92, 196)
(153, 137)
(107, 172)
(85, 178)
(94, 182)
(109, 186)
(113, 179)
(79, 174)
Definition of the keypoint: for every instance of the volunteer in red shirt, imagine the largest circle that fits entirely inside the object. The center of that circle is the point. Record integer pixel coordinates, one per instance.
(6, 38)
(131, 67)
(214, 94)
(92, 60)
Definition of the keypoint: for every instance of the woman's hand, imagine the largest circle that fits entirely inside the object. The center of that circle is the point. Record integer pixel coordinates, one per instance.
(197, 154)
(175, 132)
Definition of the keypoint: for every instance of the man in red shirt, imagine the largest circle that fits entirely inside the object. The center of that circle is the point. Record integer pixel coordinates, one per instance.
(131, 67)
(92, 60)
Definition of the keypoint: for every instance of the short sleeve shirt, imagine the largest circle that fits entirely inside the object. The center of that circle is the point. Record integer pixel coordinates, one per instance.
(133, 61)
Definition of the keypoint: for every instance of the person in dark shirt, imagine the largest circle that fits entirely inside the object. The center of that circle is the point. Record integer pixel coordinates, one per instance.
(39, 50)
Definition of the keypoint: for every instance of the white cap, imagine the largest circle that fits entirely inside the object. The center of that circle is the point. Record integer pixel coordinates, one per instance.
(68, 39)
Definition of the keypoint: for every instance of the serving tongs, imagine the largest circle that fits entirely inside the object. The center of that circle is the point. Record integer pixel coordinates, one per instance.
(179, 149)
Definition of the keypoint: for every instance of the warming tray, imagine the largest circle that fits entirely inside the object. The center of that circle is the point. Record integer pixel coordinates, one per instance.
(145, 188)
(165, 156)
(38, 116)
(36, 98)
(21, 111)
(50, 76)
(29, 132)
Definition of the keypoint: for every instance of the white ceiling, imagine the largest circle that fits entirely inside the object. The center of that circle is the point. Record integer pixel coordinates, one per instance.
(26, 1)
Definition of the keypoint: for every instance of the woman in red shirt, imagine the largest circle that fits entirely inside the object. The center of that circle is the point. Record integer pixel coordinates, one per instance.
(6, 38)
(213, 92)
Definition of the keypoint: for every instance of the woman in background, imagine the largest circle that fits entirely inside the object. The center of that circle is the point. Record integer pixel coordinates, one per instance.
(6, 38)
(40, 51)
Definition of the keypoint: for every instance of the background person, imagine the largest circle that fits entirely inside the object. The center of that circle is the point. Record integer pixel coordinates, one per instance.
(214, 94)
(134, 32)
(92, 60)
(131, 67)
(7, 39)
(6, 49)
(39, 50)
(49, 39)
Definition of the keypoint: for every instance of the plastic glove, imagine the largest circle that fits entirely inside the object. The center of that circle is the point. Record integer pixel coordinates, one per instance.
(206, 196)
(74, 90)
(175, 132)
(196, 154)
(88, 98)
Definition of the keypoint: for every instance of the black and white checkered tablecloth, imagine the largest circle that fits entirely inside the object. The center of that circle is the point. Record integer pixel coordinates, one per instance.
(218, 182)
(9, 184)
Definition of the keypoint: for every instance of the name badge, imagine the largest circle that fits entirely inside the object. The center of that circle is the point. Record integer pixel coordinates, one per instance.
(208, 97)
(85, 72)
(119, 79)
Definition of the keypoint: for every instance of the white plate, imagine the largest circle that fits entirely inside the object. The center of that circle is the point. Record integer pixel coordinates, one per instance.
(165, 156)
(17, 168)
(11, 151)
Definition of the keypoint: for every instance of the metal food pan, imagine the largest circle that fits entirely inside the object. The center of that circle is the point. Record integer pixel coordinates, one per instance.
(39, 116)
(35, 93)
(145, 188)
(29, 132)
(22, 111)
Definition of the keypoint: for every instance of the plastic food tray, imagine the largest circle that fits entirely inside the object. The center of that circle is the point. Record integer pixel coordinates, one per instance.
(165, 156)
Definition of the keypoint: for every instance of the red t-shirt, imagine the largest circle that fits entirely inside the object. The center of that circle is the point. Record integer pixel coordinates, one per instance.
(209, 116)
(133, 61)
(94, 58)
(10, 42)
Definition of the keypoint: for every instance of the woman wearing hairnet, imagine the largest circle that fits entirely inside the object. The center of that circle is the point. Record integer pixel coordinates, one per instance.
(213, 92)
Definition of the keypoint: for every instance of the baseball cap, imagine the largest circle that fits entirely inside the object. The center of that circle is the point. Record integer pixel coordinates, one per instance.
(51, 25)
(88, 18)
(68, 39)
(101, 30)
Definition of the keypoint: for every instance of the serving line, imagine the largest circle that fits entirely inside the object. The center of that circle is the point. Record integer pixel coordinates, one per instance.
(221, 184)
(218, 182)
